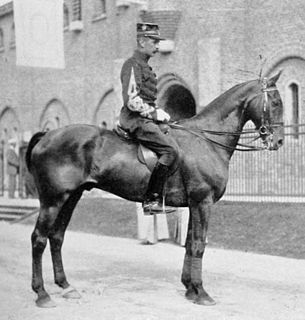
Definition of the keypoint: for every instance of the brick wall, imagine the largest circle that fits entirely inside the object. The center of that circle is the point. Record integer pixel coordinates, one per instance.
(245, 30)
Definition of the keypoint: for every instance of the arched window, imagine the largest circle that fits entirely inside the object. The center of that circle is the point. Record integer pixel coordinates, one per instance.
(4, 135)
(102, 6)
(77, 10)
(105, 115)
(66, 17)
(1, 40)
(13, 40)
(99, 8)
(293, 89)
(55, 115)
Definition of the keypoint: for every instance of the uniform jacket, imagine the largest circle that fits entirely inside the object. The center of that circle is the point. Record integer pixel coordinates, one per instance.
(139, 90)
(137, 77)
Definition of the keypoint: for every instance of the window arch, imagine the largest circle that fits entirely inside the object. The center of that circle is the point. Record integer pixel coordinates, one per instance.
(9, 124)
(99, 8)
(13, 39)
(54, 115)
(294, 108)
(1, 39)
(66, 17)
(105, 115)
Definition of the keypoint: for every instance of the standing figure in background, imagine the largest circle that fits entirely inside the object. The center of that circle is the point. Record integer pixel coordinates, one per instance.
(152, 228)
(12, 167)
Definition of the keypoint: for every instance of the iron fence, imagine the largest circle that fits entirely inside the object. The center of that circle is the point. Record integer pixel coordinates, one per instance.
(253, 176)
(270, 175)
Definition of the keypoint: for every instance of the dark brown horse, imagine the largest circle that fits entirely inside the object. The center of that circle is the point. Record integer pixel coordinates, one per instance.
(69, 160)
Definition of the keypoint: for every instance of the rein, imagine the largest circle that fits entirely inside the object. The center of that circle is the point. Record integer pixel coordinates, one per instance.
(264, 130)
(201, 133)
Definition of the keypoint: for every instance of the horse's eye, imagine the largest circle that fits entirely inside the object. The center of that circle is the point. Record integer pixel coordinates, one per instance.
(275, 104)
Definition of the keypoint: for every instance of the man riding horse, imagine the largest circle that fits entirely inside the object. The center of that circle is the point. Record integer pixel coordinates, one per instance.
(141, 117)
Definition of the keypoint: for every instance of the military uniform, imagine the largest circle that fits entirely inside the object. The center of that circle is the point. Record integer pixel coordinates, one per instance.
(139, 81)
(141, 117)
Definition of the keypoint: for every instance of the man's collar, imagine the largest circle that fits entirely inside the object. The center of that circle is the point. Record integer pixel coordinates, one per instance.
(141, 56)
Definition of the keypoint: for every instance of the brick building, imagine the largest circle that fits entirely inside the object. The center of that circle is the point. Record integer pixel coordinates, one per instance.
(211, 46)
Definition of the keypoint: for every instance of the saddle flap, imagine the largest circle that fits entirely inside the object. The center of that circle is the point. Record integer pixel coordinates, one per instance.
(147, 157)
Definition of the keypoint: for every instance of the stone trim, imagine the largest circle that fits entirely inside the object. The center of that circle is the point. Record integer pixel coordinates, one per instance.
(6, 9)
(1, 39)
(288, 51)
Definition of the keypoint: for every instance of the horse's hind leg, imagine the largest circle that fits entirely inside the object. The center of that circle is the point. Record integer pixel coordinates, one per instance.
(45, 221)
(56, 238)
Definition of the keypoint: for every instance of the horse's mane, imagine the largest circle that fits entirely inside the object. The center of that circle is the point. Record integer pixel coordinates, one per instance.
(219, 102)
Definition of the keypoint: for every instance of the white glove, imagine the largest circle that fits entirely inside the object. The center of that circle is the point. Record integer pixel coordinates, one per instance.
(147, 111)
(162, 116)
(136, 103)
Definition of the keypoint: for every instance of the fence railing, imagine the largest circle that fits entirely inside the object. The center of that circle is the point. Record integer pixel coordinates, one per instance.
(270, 175)
(253, 176)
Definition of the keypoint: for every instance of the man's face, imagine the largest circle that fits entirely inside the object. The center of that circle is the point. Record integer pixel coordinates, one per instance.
(150, 46)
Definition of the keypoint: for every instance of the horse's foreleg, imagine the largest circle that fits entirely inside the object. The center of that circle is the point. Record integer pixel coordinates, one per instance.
(56, 238)
(39, 238)
(186, 271)
(196, 243)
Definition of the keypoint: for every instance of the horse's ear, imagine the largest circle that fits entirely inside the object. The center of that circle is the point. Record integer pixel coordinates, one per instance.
(272, 81)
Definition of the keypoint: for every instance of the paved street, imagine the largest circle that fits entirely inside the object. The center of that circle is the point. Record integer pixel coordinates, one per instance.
(121, 279)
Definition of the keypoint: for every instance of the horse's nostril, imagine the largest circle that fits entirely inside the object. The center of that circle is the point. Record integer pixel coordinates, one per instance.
(280, 142)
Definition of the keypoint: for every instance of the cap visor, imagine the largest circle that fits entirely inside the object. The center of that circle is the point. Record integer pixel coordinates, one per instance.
(155, 37)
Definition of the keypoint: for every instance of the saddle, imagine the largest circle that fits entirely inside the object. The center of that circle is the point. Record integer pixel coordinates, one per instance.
(145, 155)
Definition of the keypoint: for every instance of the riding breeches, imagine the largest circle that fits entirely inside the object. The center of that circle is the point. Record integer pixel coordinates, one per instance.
(150, 135)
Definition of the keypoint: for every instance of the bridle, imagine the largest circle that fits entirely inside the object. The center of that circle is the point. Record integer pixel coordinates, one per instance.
(265, 130)
(266, 127)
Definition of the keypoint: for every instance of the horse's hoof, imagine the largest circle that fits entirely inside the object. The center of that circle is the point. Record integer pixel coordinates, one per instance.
(191, 294)
(204, 301)
(45, 302)
(71, 293)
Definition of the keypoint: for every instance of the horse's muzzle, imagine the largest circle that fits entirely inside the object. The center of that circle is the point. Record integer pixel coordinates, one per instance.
(273, 144)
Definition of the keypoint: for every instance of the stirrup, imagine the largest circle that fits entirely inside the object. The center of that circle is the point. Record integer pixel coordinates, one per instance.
(155, 207)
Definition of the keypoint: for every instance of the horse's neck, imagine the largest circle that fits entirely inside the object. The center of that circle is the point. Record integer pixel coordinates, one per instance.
(225, 114)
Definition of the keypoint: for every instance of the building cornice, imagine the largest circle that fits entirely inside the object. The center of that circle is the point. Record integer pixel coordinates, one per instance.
(6, 9)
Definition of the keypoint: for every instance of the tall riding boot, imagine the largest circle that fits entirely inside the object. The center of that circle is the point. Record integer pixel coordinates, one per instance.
(153, 201)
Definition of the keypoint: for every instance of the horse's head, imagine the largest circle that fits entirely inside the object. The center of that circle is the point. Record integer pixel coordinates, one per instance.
(265, 109)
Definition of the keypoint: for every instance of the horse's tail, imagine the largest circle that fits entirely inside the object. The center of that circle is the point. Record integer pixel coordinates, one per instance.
(34, 140)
